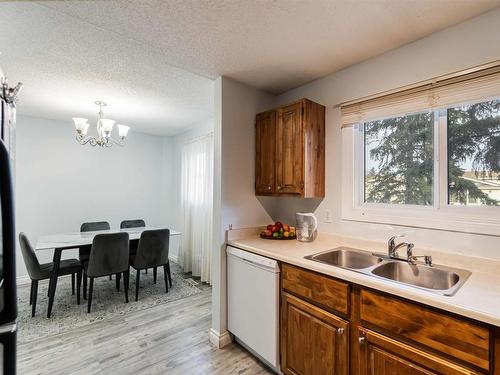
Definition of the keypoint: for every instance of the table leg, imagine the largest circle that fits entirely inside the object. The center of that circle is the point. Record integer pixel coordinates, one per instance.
(53, 279)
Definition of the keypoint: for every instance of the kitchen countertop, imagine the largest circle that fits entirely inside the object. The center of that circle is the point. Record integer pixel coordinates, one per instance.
(478, 298)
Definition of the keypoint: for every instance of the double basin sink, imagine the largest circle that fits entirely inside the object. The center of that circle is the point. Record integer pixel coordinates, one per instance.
(437, 279)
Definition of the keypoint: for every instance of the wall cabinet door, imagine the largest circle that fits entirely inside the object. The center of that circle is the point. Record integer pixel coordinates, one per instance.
(381, 355)
(290, 150)
(265, 145)
(313, 341)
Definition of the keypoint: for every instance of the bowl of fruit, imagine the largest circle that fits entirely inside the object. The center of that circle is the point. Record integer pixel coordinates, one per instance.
(279, 231)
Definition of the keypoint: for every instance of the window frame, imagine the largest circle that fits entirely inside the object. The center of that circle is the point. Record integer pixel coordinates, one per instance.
(440, 215)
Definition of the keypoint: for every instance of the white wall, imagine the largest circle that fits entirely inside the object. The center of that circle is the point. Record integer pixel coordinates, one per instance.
(234, 175)
(471, 43)
(61, 184)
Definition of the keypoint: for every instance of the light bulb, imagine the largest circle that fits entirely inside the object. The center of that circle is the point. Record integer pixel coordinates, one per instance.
(123, 130)
(107, 125)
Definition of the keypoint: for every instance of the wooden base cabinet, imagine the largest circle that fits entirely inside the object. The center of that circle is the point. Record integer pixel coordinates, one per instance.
(329, 326)
(315, 341)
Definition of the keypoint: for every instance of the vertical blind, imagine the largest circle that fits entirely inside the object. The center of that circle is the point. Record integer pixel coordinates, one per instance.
(459, 88)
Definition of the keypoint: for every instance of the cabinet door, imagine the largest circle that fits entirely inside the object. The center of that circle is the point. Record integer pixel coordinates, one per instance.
(265, 154)
(381, 355)
(313, 341)
(290, 150)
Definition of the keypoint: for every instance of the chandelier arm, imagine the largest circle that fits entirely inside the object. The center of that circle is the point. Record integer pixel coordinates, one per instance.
(83, 141)
(120, 143)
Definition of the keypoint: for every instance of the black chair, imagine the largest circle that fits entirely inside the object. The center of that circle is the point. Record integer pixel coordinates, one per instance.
(37, 271)
(139, 223)
(84, 251)
(152, 252)
(109, 255)
(128, 224)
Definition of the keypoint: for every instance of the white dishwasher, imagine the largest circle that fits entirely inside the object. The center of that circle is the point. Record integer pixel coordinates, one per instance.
(253, 303)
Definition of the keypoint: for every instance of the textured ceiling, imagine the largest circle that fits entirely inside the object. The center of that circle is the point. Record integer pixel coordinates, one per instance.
(70, 53)
(275, 45)
(67, 64)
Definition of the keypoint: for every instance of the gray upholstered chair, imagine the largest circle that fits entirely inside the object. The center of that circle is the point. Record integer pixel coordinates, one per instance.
(37, 271)
(84, 251)
(152, 252)
(109, 255)
(129, 224)
(138, 223)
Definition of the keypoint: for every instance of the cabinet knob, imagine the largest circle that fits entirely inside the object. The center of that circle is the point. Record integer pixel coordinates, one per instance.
(269, 188)
(361, 340)
(279, 187)
(340, 331)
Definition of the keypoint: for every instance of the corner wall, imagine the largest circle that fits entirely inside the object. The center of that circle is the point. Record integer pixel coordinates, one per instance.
(234, 174)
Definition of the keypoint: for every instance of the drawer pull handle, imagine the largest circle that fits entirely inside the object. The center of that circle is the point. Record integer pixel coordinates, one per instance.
(340, 331)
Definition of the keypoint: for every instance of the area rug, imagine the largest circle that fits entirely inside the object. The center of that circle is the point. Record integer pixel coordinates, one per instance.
(106, 302)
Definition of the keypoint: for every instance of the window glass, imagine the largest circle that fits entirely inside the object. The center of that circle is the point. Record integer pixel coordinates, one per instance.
(474, 154)
(399, 160)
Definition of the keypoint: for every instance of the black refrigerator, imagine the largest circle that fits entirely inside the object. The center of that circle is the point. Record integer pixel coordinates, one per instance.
(8, 300)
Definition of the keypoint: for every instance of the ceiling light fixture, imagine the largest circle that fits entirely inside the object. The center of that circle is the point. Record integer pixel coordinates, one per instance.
(104, 128)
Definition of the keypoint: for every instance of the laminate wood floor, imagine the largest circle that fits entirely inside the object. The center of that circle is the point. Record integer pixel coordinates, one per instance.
(167, 339)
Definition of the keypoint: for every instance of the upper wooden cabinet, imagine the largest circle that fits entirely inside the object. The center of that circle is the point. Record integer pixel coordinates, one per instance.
(290, 151)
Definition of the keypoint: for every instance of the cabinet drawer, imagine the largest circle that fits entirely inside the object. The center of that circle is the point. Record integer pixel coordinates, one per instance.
(458, 338)
(381, 355)
(323, 290)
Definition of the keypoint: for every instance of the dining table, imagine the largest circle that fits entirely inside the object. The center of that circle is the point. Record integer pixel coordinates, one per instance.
(73, 240)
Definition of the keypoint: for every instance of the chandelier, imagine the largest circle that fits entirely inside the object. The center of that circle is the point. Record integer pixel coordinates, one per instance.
(104, 128)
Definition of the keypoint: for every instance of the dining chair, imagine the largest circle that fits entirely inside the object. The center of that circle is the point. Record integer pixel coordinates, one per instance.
(37, 271)
(109, 255)
(136, 223)
(152, 252)
(84, 251)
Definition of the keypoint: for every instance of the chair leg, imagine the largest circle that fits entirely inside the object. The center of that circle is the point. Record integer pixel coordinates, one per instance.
(91, 290)
(72, 284)
(126, 275)
(31, 292)
(146, 271)
(169, 274)
(78, 286)
(117, 278)
(33, 302)
(111, 277)
(137, 285)
(84, 285)
(154, 274)
(48, 289)
(165, 273)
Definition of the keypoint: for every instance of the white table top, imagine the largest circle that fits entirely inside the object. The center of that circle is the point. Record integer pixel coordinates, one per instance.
(76, 239)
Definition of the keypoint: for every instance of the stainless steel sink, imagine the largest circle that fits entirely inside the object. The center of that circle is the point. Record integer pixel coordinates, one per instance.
(345, 257)
(437, 279)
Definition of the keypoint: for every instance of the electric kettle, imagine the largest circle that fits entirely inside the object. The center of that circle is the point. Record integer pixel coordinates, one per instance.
(307, 226)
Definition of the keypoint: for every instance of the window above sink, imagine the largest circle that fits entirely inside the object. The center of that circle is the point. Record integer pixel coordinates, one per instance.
(436, 167)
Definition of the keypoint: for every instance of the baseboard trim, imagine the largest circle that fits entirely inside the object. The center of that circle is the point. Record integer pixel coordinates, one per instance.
(219, 340)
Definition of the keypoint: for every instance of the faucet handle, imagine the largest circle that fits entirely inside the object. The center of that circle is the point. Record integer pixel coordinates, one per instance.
(409, 250)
